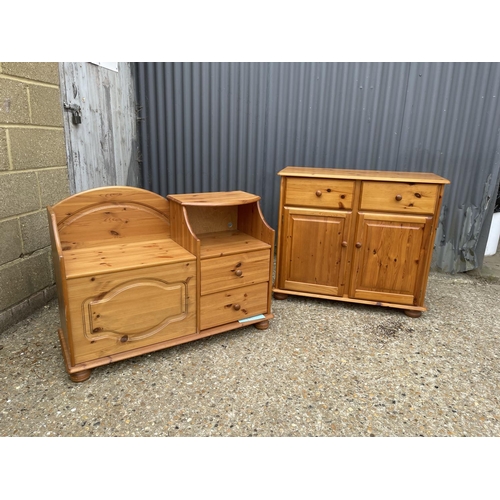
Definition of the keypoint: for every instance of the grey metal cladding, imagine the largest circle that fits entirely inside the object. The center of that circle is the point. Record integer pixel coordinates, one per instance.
(224, 126)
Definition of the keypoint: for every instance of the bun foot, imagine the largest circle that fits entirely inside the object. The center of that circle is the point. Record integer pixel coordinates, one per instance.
(413, 314)
(80, 376)
(262, 325)
(280, 296)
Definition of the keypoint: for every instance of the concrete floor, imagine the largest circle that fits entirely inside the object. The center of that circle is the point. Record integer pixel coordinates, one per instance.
(490, 268)
(323, 369)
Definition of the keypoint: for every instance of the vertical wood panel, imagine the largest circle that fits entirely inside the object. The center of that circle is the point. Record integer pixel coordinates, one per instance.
(103, 149)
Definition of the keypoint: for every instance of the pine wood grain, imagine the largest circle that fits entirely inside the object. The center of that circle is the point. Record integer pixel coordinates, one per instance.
(340, 173)
(387, 236)
(315, 258)
(214, 199)
(69, 206)
(232, 305)
(234, 271)
(208, 219)
(222, 243)
(124, 256)
(129, 269)
(321, 193)
(145, 305)
(399, 197)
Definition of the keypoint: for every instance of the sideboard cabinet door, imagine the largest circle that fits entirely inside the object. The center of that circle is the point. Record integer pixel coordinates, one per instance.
(315, 254)
(389, 257)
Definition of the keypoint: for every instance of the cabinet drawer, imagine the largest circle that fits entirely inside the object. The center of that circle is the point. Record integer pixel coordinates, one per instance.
(234, 271)
(232, 305)
(399, 197)
(322, 193)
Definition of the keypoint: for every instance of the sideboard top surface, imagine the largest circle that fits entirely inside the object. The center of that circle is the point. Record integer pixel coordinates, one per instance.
(373, 175)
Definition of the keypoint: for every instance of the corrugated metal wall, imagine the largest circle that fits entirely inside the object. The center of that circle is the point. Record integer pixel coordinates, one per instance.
(227, 126)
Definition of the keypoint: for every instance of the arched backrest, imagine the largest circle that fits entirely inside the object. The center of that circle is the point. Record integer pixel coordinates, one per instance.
(111, 215)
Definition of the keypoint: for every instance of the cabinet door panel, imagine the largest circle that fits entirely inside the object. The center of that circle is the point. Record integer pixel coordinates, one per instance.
(117, 312)
(316, 250)
(389, 256)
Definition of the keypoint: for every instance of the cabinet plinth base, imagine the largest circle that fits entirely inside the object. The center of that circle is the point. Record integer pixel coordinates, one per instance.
(280, 296)
(412, 313)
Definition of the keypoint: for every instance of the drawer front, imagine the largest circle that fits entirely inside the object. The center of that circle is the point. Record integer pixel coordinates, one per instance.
(399, 197)
(232, 305)
(321, 193)
(233, 271)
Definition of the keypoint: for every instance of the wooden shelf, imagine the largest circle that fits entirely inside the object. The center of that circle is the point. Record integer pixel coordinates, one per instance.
(218, 199)
(221, 243)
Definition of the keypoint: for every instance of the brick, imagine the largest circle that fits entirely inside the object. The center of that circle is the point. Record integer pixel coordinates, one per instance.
(46, 106)
(24, 277)
(20, 311)
(50, 293)
(18, 194)
(47, 72)
(13, 102)
(37, 148)
(35, 231)
(4, 154)
(13, 315)
(54, 185)
(10, 241)
(37, 300)
(6, 320)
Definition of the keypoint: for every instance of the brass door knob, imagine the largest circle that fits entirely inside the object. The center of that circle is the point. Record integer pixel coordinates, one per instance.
(344, 244)
(318, 193)
(236, 307)
(239, 272)
(358, 245)
(399, 197)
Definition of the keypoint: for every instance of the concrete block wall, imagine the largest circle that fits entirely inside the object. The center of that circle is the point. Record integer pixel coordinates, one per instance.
(33, 174)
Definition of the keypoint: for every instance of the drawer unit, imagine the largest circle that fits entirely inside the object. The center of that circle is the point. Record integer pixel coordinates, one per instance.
(233, 245)
(233, 305)
(233, 271)
(320, 193)
(357, 235)
(399, 197)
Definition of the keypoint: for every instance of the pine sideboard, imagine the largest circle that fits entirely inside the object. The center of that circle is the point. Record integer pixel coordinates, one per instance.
(357, 235)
